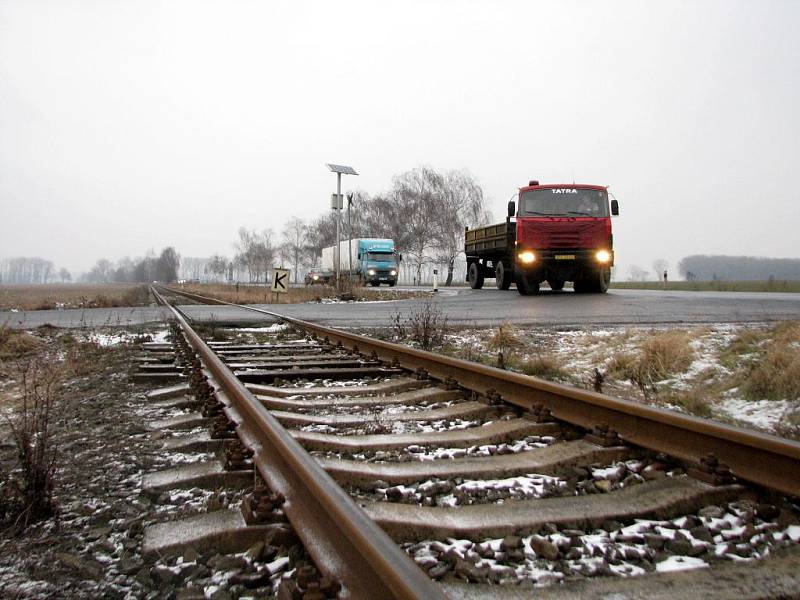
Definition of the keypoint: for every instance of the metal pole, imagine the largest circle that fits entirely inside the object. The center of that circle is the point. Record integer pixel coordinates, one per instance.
(349, 235)
(336, 254)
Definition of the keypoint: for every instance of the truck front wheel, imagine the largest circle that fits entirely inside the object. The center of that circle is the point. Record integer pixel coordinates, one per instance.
(526, 286)
(596, 282)
(603, 279)
(502, 276)
(475, 276)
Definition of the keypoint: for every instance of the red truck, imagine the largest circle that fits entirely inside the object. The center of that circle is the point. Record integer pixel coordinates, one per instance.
(562, 233)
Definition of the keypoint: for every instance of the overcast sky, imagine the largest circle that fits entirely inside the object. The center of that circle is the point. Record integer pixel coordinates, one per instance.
(126, 126)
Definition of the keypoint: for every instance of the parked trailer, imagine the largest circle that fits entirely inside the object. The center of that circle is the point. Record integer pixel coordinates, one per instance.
(560, 233)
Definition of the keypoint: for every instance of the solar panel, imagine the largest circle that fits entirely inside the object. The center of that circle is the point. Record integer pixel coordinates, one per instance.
(341, 169)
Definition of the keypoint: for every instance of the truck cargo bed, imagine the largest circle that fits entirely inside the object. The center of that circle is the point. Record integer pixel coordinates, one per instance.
(492, 239)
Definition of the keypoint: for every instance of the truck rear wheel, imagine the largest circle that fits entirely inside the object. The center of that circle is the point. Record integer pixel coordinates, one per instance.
(526, 286)
(475, 276)
(502, 276)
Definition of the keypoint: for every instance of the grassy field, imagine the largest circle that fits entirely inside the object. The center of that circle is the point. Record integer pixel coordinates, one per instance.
(90, 295)
(248, 294)
(712, 286)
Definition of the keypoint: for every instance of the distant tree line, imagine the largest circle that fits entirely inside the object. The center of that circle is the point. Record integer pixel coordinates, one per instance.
(738, 268)
(163, 267)
(31, 269)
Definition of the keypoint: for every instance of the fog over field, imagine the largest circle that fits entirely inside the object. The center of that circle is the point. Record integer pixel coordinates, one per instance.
(126, 126)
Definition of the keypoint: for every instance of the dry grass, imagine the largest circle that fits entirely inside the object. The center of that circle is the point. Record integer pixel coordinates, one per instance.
(660, 356)
(693, 402)
(542, 366)
(52, 296)
(27, 492)
(250, 294)
(505, 339)
(773, 362)
(17, 344)
(426, 325)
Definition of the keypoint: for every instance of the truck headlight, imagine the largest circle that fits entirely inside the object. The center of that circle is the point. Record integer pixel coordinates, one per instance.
(371, 272)
(393, 273)
(603, 256)
(316, 277)
(527, 257)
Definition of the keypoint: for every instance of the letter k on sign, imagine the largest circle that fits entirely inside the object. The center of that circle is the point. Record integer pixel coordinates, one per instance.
(280, 281)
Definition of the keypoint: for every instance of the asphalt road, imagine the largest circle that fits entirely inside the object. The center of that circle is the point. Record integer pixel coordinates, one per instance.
(464, 306)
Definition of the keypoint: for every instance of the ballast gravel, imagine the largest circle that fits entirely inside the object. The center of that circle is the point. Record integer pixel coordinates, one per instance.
(731, 532)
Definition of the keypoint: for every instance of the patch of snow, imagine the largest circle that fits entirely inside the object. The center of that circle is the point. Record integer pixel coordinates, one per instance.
(793, 531)
(680, 563)
(160, 337)
(766, 414)
(274, 328)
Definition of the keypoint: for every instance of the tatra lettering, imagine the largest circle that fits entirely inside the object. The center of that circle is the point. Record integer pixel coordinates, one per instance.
(565, 191)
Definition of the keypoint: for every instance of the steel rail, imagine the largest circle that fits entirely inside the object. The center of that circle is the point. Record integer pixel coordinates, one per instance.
(344, 542)
(760, 458)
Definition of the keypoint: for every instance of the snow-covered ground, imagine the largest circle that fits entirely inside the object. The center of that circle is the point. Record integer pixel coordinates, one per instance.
(705, 384)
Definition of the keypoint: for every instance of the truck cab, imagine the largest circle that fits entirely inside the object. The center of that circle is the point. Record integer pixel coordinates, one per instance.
(563, 234)
(377, 261)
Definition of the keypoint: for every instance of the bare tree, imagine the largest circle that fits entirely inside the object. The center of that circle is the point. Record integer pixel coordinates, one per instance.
(637, 273)
(417, 191)
(244, 249)
(64, 275)
(193, 267)
(659, 266)
(101, 272)
(293, 248)
(382, 216)
(459, 202)
(167, 265)
(217, 266)
(321, 234)
(256, 252)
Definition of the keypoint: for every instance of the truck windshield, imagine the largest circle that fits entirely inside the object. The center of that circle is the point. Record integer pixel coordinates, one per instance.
(564, 202)
(377, 256)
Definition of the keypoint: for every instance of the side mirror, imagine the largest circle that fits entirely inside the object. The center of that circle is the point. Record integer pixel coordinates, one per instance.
(512, 208)
(615, 207)
(400, 259)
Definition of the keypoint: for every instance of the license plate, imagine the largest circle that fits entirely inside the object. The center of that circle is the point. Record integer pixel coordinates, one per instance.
(565, 257)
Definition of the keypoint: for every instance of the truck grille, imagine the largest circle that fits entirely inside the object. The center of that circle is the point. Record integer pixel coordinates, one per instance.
(565, 234)
(567, 239)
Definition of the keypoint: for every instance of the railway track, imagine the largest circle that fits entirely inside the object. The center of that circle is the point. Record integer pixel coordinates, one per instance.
(411, 475)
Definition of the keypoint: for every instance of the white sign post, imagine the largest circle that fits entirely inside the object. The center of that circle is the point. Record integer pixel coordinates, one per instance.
(280, 282)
